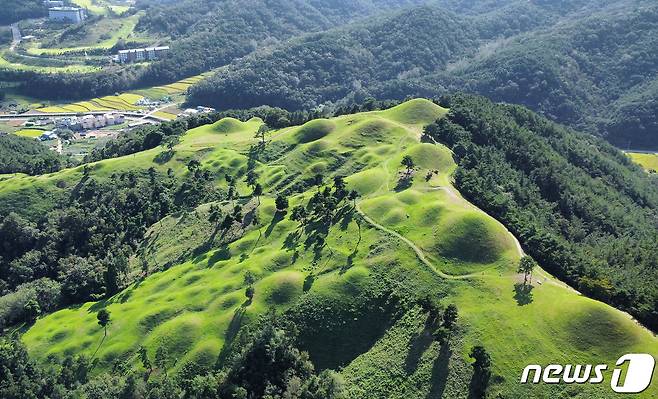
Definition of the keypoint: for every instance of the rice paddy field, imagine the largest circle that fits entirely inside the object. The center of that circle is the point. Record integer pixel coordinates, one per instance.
(412, 230)
(127, 101)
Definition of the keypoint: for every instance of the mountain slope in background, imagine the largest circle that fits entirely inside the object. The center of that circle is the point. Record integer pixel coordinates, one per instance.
(590, 64)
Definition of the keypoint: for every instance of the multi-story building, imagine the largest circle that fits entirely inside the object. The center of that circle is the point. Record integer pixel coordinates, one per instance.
(53, 3)
(67, 14)
(142, 54)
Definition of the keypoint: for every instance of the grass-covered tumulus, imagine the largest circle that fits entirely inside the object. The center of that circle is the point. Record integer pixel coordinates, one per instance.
(410, 232)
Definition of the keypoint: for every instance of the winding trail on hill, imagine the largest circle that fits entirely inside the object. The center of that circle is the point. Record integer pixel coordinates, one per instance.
(419, 252)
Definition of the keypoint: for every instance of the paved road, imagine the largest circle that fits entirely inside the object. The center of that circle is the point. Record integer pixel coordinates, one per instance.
(127, 114)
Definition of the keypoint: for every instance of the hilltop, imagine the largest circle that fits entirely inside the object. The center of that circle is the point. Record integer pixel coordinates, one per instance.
(351, 277)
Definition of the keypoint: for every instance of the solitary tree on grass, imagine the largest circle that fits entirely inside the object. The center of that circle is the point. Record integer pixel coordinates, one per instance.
(408, 163)
(526, 266)
(103, 317)
(258, 191)
(281, 203)
(262, 131)
(249, 280)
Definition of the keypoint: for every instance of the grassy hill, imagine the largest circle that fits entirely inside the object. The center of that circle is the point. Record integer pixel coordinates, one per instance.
(647, 161)
(352, 296)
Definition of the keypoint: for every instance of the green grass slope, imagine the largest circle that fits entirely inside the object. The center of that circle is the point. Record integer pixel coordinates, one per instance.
(417, 235)
(647, 161)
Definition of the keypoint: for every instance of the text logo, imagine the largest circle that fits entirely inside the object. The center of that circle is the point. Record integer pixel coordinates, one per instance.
(637, 378)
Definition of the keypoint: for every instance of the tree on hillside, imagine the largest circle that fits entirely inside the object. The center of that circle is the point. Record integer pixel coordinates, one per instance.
(450, 316)
(262, 131)
(258, 191)
(408, 163)
(317, 180)
(214, 215)
(170, 142)
(193, 165)
(340, 188)
(249, 280)
(103, 317)
(161, 356)
(146, 362)
(526, 265)
(32, 311)
(299, 214)
(252, 178)
(353, 196)
(227, 222)
(281, 203)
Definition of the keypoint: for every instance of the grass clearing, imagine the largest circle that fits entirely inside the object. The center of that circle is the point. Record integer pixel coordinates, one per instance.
(31, 133)
(648, 161)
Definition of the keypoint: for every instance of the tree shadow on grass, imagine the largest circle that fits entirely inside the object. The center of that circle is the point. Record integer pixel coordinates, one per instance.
(223, 253)
(417, 346)
(308, 282)
(164, 157)
(230, 335)
(278, 216)
(523, 293)
(477, 388)
(439, 376)
(404, 182)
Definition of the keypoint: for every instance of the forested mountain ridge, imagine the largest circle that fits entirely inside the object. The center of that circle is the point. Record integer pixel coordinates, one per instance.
(214, 34)
(582, 65)
(15, 10)
(577, 204)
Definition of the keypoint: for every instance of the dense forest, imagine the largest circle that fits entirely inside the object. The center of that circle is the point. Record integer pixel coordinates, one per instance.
(574, 71)
(579, 206)
(24, 155)
(79, 251)
(15, 10)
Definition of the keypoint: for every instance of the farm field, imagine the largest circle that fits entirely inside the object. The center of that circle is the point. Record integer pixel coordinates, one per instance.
(126, 101)
(410, 229)
(32, 133)
(648, 161)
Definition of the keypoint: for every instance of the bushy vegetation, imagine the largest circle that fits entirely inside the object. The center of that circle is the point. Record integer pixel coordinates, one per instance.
(580, 207)
(82, 247)
(268, 365)
(24, 155)
(15, 10)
